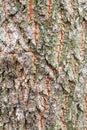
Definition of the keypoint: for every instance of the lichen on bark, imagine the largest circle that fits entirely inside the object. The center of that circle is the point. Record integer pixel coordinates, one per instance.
(43, 65)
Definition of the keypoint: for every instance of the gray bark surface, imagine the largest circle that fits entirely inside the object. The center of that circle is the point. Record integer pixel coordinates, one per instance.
(43, 64)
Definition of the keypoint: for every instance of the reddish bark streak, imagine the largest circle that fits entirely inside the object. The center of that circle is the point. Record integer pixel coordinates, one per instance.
(41, 122)
(36, 32)
(44, 103)
(41, 119)
(82, 38)
(21, 73)
(75, 68)
(64, 25)
(4, 6)
(22, 93)
(86, 106)
(34, 58)
(71, 3)
(30, 10)
(7, 126)
(63, 112)
(27, 105)
(47, 84)
(85, 98)
(49, 7)
(34, 61)
(60, 45)
(63, 123)
(61, 36)
(6, 26)
(8, 33)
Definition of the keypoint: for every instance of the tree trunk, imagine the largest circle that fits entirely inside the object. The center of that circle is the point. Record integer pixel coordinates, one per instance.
(43, 65)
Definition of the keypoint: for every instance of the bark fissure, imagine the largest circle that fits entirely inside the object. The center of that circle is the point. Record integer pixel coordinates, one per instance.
(43, 65)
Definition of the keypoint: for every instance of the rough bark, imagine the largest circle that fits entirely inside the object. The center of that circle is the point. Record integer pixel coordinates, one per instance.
(43, 64)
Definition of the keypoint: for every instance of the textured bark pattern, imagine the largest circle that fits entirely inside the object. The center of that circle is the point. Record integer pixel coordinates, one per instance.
(43, 64)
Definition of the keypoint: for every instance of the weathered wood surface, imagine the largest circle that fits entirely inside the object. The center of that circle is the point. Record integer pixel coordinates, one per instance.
(43, 64)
